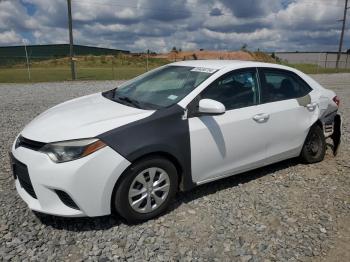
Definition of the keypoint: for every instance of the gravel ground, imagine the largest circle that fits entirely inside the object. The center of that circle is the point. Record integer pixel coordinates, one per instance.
(284, 212)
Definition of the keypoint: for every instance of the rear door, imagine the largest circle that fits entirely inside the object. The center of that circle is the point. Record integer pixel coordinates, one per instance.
(285, 99)
(225, 144)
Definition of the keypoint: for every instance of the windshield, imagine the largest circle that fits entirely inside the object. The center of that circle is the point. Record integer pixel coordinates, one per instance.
(162, 87)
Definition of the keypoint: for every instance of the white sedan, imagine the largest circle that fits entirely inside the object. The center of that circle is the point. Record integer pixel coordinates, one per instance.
(130, 149)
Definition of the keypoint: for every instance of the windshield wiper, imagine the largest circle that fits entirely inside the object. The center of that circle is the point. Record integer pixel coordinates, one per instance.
(130, 101)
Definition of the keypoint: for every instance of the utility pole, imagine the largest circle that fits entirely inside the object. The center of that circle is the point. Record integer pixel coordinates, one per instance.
(71, 51)
(147, 57)
(25, 49)
(342, 33)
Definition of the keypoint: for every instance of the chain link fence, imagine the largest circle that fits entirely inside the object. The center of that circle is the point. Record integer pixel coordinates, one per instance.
(104, 67)
(126, 66)
(325, 60)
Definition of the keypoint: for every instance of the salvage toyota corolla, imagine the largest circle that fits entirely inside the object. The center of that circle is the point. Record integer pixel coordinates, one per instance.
(130, 149)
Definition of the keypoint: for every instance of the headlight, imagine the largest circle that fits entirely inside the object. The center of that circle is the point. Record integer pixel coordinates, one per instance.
(70, 150)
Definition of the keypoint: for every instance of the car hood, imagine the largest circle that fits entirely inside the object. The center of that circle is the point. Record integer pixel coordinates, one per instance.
(83, 117)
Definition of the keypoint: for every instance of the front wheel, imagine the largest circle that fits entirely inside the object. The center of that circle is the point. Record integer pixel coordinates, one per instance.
(314, 148)
(146, 190)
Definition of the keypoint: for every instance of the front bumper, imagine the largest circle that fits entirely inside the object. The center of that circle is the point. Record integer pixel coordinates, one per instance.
(88, 181)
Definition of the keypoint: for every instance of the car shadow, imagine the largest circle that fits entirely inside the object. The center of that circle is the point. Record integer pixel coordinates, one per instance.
(79, 224)
(216, 133)
(107, 222)
(231, 181)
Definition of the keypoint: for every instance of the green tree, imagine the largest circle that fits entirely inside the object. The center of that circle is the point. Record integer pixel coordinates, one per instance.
(244, 47)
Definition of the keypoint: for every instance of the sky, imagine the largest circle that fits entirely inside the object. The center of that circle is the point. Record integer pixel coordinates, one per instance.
(158, 25)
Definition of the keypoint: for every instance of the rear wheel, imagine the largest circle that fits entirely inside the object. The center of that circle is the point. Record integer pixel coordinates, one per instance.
(146, 190)
(314, 148)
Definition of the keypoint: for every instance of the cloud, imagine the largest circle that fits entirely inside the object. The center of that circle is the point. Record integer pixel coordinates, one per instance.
(165, 11)
(10, 37)
(13, 16)
(216, 12)
(138, 25)
(252, 8)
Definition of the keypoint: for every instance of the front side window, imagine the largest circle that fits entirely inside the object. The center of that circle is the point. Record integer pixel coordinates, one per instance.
(277, 85)
(162, 87)
(236, 89)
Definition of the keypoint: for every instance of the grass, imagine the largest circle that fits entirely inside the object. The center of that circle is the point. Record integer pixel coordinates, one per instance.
(121, 67)
(20, 75)
(87, 67)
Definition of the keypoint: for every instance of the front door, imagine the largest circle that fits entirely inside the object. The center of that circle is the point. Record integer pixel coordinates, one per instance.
(235, 141)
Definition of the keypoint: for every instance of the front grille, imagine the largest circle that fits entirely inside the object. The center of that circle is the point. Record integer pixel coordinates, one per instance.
(66, 199)
(20, 171)
(27, 143)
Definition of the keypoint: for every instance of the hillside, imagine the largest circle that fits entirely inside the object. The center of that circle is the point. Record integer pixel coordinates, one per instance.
(211, 54)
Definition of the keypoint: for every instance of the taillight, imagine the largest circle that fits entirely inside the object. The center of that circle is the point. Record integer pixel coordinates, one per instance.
(336, 100)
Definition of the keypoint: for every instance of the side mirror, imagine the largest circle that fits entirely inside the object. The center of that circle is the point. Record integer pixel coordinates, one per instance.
(210, 107)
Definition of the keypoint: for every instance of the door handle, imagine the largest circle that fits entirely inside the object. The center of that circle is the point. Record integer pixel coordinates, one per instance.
(311, 106)
(261, 118)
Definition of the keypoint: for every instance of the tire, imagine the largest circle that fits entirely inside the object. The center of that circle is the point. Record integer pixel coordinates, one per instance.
(143, 183)
(314, 148)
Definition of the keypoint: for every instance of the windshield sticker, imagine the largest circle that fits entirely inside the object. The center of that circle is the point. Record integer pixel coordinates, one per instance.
(203, 70)
(172, 97)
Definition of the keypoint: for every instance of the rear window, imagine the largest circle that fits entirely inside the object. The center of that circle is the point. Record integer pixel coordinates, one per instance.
(280, 85)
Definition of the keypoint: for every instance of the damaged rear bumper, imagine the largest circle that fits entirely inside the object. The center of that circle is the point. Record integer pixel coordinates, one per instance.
(336, 136)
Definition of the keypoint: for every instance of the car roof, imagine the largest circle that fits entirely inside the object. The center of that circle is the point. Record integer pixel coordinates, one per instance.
(227, 65)
(223, 64)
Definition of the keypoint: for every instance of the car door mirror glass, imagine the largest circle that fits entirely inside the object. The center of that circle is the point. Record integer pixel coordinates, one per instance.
(211, 107)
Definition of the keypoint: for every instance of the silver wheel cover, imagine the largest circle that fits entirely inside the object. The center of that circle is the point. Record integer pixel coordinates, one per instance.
(149, 190)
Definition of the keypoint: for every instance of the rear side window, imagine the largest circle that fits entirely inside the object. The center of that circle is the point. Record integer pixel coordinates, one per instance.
(277, 85)
(236, 89)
